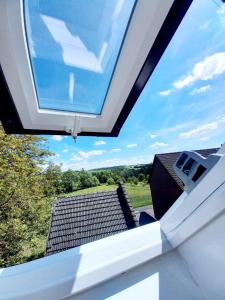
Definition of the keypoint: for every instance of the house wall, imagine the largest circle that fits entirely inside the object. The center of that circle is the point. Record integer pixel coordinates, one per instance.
(164, 189)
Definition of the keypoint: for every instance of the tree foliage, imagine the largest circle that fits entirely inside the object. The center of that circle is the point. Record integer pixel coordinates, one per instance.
(52, 180)
(110, 181)
(24, 210)
(56, 181)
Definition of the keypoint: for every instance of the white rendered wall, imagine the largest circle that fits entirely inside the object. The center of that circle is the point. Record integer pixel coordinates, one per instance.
(163, 278)
(195, 226)
(205, 256)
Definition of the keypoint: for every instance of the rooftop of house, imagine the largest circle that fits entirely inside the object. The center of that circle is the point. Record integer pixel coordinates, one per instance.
(168, 159)
(81, 219)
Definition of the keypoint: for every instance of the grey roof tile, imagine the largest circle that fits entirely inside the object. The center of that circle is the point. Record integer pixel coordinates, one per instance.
(82, 219)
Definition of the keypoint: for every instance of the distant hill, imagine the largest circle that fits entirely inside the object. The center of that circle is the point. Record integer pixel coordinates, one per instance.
(122, 167)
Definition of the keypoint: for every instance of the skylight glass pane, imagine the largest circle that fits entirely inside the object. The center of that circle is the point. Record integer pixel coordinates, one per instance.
(74, 46)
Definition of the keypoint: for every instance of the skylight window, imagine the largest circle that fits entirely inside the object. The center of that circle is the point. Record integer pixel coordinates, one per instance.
(73, 49)
(78, 67)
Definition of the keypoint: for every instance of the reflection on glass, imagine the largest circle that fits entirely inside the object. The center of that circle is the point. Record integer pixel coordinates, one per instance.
(74, 46)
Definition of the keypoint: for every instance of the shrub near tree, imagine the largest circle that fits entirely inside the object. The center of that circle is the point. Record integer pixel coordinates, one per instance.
(110, 181)
(87, 180)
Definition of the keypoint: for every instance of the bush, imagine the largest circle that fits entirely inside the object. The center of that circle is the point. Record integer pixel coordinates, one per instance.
(110, 181)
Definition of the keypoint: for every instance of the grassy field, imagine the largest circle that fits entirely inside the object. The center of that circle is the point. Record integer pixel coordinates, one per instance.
(139, 194)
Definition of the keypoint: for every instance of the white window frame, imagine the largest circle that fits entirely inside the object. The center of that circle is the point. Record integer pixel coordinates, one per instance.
(146, 21)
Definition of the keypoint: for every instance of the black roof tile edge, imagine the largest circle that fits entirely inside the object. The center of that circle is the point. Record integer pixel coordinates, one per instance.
(126, 206)
(49, 229)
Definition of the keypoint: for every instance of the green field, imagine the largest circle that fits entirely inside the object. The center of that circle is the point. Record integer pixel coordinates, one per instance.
(139, 194)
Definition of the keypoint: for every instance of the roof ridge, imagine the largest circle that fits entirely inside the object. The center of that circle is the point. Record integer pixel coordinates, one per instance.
(196, 150)
(126, 206)
(83, 195)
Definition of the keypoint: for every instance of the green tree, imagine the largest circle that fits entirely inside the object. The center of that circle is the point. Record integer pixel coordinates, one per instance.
(87, 180)
(141, 177)
(70, 181)
(135, 181)
(52, 180)
(102, 176)
(110, 181)
(24, 211)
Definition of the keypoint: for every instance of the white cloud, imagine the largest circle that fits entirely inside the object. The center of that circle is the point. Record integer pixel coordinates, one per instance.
(56, 155)
(99, 143)
(74, 51)
(201, 90)
(159, 145)
(153, 136)
(115, 150)
(81, 155)
(131, 145)
(205, 25)
(221, 13)
(87, 165)
(206, 69)
(204, 138)
(57, 138)
(175, 128)
(201, 130)
(65, 150)
(164, 93)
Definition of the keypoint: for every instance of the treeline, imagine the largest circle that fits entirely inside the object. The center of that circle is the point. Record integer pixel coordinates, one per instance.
(58, 182)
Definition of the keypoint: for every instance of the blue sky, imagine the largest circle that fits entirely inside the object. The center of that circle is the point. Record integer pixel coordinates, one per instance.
(181, 108)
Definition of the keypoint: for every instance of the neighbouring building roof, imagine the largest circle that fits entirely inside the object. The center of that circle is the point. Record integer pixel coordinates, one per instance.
(82, 219)
(168, 159)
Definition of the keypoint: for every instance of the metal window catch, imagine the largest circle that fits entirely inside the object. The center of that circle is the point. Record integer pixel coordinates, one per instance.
(75, 129)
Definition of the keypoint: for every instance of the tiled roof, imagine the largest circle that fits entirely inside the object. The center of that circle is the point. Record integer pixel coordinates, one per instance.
(168, 159)
(82, 219)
